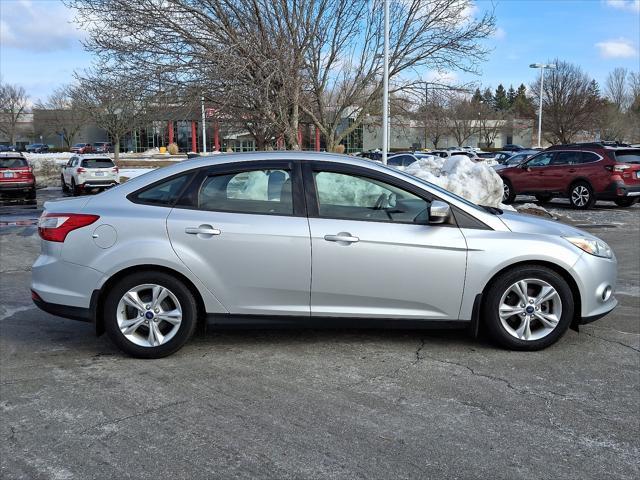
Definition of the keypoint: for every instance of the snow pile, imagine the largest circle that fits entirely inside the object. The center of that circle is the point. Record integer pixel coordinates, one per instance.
(533, 209)
(477, 182)
(154, 152)
(36, 159)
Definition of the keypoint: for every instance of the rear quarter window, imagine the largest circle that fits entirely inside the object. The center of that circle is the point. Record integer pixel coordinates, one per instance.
(164, 193)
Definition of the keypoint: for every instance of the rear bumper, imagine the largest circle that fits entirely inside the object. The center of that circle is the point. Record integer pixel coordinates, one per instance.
(99, 184)
(17, 189)
(74, 313)
(619, 190)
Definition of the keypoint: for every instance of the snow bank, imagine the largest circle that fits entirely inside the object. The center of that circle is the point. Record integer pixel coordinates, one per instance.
(477, 182)
(36, 159)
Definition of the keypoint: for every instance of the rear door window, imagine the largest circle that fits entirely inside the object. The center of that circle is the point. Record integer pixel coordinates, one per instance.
(567, 158)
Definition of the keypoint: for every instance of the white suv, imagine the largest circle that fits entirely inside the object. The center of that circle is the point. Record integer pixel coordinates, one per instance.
(88, 172)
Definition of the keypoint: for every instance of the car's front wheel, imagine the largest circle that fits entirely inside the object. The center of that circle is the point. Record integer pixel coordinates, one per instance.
(150, 314)
(528, 308)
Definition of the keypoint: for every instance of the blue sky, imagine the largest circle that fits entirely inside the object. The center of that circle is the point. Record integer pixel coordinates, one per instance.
(40, 47)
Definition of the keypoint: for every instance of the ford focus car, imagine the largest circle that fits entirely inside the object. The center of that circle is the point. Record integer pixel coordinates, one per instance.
(310, 239)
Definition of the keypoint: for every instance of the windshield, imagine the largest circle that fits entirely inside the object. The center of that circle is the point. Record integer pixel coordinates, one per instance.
(97, 163)
(628, 156)
(437, 188)
(13, 163)
(79, 145)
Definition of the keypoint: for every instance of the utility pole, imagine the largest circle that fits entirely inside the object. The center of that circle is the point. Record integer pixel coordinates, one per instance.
(204, 131)
(385, 86)
(541, 66)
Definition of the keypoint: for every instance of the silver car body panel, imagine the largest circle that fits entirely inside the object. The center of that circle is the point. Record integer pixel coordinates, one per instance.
(271, 265)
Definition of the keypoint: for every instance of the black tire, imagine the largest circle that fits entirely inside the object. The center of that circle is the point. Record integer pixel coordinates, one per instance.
(509, 194)
(75, 191)
(625, 202)
(63, 184)
(544, 197)
(498, 287)
(581, 196)
(187, 303)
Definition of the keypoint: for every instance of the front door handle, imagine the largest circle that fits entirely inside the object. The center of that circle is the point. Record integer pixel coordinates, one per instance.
(202, 230)
(342, 237)
(572, 170)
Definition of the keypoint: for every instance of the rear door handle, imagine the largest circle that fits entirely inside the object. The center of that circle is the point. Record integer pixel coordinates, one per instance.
(343, 237)
(202, 230)
(572, 170)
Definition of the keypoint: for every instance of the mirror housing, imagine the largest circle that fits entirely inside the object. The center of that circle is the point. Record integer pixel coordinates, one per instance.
(439, 212)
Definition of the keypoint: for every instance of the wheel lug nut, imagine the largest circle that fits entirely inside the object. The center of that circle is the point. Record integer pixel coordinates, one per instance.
(522, 305)
(530, 301)
(156, 310)
(524, 314)
(148, 307)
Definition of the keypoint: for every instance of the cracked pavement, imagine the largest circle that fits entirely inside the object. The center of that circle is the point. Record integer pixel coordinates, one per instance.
(319, 403)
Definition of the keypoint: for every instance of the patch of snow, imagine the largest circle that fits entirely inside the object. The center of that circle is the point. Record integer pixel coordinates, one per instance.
(134, 172)
(477, 182)
(36, 159)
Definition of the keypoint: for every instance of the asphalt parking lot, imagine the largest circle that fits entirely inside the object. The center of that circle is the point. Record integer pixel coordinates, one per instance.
(318, 404)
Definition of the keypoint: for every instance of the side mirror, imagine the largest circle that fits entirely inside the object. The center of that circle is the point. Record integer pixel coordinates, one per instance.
(439, 212)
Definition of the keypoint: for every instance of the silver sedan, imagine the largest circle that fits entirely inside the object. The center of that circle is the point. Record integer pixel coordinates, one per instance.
(310, 239)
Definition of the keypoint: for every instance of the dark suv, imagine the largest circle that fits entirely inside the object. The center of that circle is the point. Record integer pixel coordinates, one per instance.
(582, 172)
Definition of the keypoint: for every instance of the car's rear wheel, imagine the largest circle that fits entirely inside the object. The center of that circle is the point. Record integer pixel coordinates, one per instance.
(581, 196)
(544, 197)
(75, 190)
(528, 308)
(508, 194)
(63, 184)
(150, 314)
(625, 202)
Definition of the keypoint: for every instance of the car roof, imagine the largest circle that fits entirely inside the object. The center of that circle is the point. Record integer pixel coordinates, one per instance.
(11, 155)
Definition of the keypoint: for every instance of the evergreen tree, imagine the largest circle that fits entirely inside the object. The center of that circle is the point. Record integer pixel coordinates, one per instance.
(477, 96)
(511, 96)
(500, 102)
(522, 105)
(487, 97)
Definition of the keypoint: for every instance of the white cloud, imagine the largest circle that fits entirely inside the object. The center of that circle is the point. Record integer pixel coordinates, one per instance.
(446, 78)
(499, 34)
(620, 48)
(632, 5)
(38, 26)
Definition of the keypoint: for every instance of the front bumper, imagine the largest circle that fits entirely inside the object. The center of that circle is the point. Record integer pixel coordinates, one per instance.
(594, 275)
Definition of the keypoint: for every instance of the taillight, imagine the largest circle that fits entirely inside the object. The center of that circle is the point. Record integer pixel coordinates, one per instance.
(116, 169)
(54, 227)
(80, 170)
(618, 167)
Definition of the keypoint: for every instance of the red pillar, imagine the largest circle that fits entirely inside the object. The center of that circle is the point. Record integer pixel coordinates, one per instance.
(317, 139)
(299, 137)
(171, 131)
(216, 135)
(194, 137)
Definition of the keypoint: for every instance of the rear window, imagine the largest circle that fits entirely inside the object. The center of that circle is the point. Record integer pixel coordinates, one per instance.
(97, 163)
(628, 156)
(13, 163)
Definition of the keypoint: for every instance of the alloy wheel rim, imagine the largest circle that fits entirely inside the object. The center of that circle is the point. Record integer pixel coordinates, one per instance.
(149, 315)
(506, 191)
(580, 195)
(530, 309)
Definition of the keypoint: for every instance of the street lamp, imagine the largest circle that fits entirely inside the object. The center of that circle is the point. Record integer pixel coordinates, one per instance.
(541, 66)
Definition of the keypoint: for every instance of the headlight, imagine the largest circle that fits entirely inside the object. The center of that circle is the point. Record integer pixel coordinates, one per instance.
(591, 245)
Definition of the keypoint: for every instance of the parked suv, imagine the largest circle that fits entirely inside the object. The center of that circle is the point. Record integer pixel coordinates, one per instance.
(82, 148)
(37, 148)
(582, 172)
(16, 177)
(82, 173)
(102, 147)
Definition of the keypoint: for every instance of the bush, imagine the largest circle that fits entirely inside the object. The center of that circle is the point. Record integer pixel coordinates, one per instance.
(173, 149)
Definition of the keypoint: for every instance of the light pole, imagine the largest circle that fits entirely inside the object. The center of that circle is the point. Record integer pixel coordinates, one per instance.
(204, 131)
(541, 66)
(385, 86)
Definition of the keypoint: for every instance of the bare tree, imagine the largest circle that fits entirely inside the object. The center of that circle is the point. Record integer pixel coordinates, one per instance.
(13, 104)
(273, 61)
(490, 123)
(60, 115)
(616, 88)
(462, 118)
(570, 102)
(114, 104)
